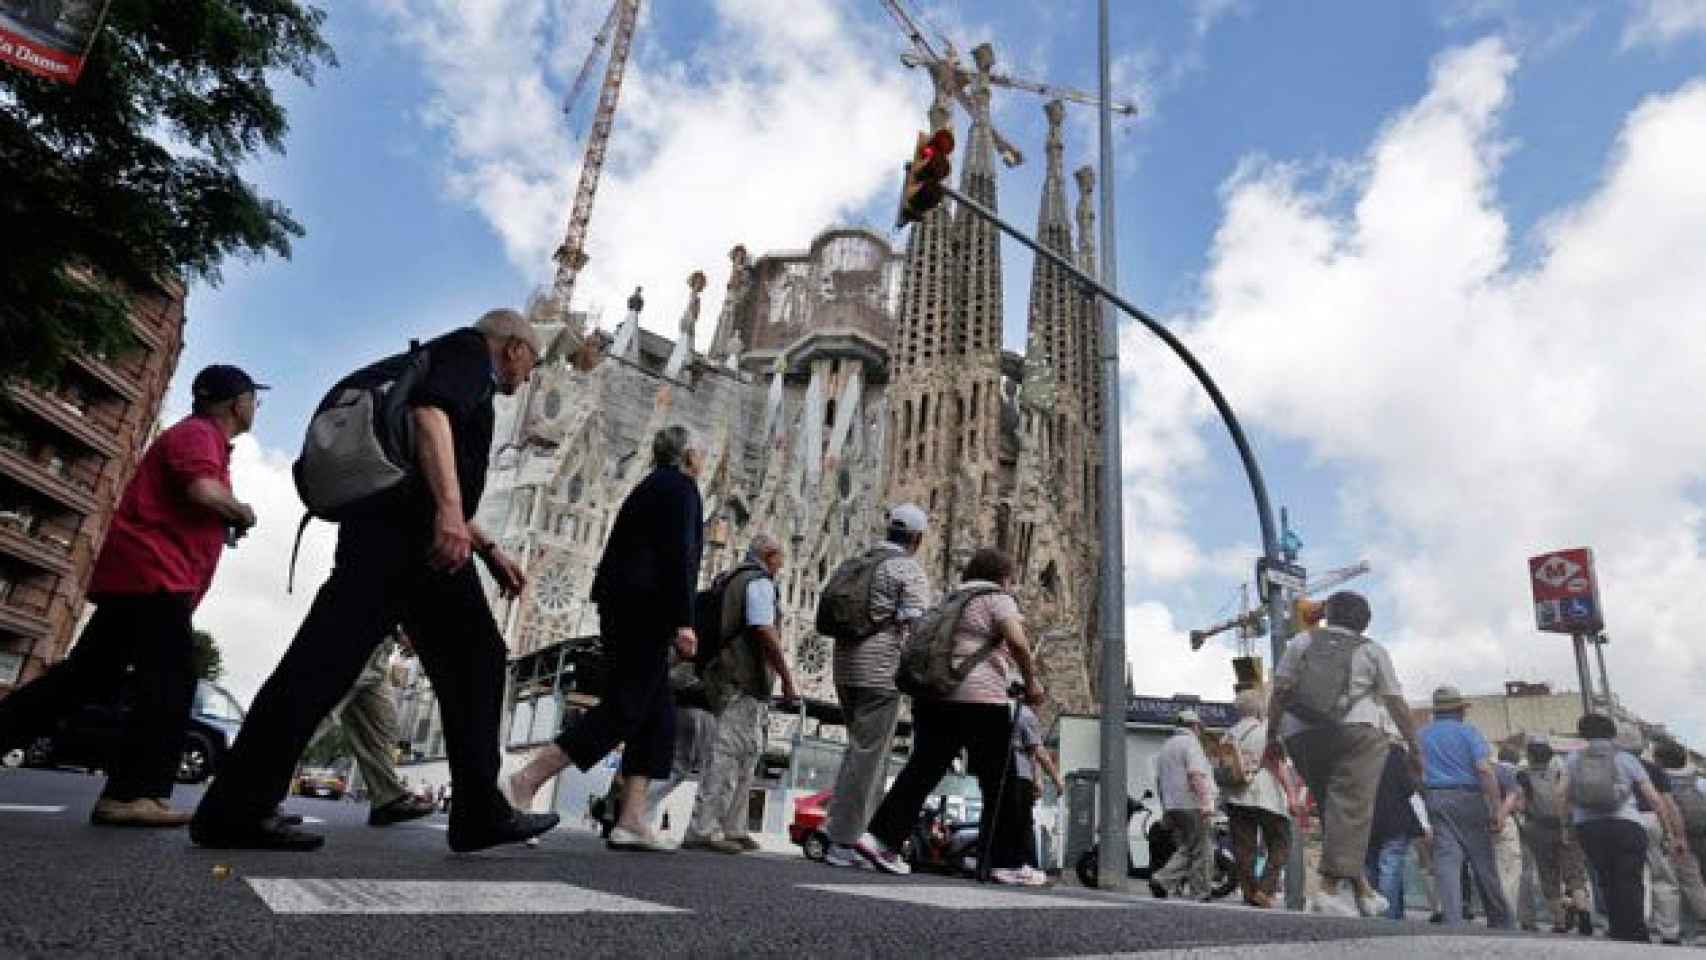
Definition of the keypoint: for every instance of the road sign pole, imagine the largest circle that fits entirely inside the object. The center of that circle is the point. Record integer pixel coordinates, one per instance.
(1604, 678)
(1583, 675)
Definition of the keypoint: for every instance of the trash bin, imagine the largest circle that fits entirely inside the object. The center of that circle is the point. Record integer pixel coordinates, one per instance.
(1081, 797)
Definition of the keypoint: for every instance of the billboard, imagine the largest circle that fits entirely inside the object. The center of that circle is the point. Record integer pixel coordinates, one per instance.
(49, 37)
(1566, 592)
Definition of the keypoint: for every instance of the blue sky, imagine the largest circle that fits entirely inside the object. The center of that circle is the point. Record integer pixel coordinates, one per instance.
(432, 174)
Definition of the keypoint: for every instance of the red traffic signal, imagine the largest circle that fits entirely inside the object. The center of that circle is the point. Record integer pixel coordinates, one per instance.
(922, 189)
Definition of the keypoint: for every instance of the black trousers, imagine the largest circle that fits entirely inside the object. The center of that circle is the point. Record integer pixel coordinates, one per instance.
(1617, 851)
(940, 730)
(149, 633)
(380, 578)
(638, 707)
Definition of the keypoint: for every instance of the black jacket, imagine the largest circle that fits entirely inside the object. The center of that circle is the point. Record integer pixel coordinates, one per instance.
(1393, 817)
(650, 566)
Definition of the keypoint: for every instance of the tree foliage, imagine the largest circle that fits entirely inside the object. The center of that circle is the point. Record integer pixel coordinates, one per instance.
(208, 662)
(132, 174)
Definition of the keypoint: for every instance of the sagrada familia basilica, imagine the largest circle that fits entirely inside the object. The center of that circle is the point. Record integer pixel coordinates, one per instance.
(839, 379)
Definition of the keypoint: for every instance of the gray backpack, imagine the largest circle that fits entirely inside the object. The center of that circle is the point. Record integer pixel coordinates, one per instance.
(1596, 785)
(927, 669)
(1685, 790)
(1540, 791)
(844, 608)
(1321, 691)
(360, 444)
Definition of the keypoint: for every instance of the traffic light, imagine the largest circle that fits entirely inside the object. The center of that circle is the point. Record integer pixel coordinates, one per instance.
(921, 191)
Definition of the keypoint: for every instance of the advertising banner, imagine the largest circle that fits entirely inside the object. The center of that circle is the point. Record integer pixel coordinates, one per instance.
(50, 37)
(1566, 592)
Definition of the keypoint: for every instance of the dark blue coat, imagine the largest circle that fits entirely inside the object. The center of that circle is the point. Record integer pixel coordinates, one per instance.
(650, 567)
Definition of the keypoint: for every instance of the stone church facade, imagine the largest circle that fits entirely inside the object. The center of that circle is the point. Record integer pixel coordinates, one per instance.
(838, 379)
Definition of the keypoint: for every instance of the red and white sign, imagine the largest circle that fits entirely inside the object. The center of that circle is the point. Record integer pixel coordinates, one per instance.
(50, 37)
(1566, 593)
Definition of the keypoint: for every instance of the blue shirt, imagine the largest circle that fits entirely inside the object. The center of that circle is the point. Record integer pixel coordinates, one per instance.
(1450, 751)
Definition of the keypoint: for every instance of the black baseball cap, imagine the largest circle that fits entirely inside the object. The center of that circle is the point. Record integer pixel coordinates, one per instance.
(221, 382)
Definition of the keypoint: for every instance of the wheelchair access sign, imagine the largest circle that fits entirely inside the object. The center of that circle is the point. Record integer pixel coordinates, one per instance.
(1566, 592)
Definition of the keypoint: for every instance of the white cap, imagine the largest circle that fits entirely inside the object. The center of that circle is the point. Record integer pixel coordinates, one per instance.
(1188, 716)
(909, 517)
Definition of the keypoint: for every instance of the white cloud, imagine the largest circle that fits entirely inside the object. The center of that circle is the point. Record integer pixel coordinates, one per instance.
(1477, 412)
(247, 610)
(1661, 22)
(783, 118)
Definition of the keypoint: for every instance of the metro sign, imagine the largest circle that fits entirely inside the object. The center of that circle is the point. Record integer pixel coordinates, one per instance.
(1566, 593)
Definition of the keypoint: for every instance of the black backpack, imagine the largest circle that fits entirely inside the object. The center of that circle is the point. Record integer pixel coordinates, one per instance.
(718, 612)
(844, 608)
(360, 444)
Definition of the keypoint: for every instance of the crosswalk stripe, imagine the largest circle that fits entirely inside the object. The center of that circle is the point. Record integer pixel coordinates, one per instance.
(964, 897)
(345, 896)
(31, 808)
(1395, 948)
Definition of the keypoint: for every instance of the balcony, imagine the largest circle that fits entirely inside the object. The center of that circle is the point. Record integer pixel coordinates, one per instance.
(24, 623)
(108, 377)
(43, 554)
(78, 426)
(56, 488)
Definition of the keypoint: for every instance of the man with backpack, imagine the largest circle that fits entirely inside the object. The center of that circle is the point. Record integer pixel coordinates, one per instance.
(961, 702)
(164, 544)
(1601, 782)
(1330, 688)
(1685, 854)
(738, 678)
(866, 608)
(403, 558)
(1541, 827)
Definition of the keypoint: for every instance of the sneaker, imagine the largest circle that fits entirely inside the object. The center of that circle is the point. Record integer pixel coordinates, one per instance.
(1336, 899)
(1373, 904)
(142, 812)
(878, 854)
(711, 844)
(621, 838)
(1018, 877)
(745, 842)
(842, 855)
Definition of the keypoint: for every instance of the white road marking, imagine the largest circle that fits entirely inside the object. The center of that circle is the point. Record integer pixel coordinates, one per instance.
(960, 897)
(284, 895)
(31, 808)
(312, 820)
(1399, 947)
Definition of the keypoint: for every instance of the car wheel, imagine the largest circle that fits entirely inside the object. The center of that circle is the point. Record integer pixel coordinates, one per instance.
(12, 759)
(815, 845)
(195, 764)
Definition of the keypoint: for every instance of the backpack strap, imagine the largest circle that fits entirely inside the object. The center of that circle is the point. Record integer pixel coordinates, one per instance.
(983, 653)
(295, 548)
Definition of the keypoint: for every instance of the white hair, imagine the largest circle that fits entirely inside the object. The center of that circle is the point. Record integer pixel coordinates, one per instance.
(506, 324)
(762, 544)
(671, 444)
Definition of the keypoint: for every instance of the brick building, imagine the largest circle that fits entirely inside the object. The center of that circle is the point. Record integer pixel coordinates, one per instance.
(65, 455)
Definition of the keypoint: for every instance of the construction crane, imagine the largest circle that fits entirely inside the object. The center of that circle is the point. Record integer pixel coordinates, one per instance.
(618, 35)
(956, 78)
(1252, 622)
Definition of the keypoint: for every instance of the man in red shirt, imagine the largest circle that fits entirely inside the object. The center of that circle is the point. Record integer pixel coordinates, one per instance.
(153, 569)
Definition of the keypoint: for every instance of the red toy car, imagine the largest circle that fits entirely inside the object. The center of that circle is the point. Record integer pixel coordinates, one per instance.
(810, 812)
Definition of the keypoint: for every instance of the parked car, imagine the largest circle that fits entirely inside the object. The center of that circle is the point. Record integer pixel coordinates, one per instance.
(810, 812)
(322, 782)
(89, 735)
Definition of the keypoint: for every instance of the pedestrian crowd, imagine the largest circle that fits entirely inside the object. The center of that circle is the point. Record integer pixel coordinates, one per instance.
(397, 456)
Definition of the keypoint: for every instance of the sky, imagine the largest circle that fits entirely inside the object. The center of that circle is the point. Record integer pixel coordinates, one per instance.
(1442, 257)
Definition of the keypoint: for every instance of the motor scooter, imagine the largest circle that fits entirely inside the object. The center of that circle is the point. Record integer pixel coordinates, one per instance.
(941, 845)
(1141, 823)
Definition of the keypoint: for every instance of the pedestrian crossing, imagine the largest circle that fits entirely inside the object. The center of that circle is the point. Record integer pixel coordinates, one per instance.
(299, 896)
(31, 808)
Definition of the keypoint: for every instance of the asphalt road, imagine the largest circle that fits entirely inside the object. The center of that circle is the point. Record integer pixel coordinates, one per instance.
(70, 889)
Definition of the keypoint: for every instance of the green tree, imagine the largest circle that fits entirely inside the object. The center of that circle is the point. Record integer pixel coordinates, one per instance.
(132, 174)
(209, 662)
(329, 746)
